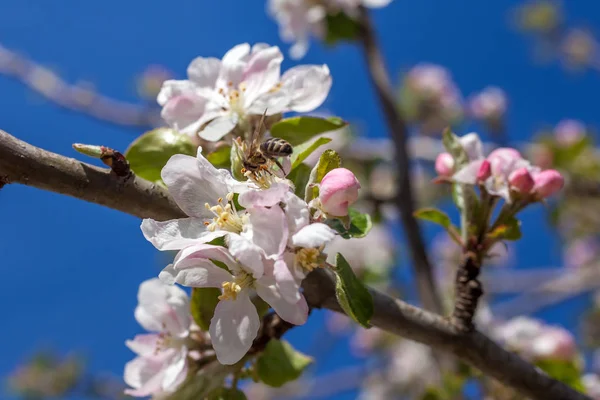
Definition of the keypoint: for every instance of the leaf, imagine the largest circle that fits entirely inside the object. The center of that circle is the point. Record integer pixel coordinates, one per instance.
(568, 372)
(358, 225)
(301, 152)
(353, 296)
(300, 177)
(280, 363)
(202, 305)
(434, 215)
(340, 27)
(509, 230)
(453, 146)
(298, 130)
(149, 153)
(227, 394)
(328, 161)
(220, 158)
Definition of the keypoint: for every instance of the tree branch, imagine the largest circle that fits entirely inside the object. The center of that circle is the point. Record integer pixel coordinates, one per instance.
(404, 197)
(29, 165)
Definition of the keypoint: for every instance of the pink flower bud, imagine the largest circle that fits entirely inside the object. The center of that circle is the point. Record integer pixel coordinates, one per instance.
(521, 180)
(337, 191)
(548, 182)
(444, 164)
(485, 171)
(501, 159)
(554, 343)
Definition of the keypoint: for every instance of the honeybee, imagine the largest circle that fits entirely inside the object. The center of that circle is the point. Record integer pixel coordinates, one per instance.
(256, 156)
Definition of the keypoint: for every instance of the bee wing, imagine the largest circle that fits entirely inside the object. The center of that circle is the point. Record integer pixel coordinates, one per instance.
(254, 138)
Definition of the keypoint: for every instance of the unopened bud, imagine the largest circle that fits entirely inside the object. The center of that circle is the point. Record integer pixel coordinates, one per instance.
(485, 171)
(444, 165)
(337, 191)
(555, 344)
(521, 180)
(548, 182)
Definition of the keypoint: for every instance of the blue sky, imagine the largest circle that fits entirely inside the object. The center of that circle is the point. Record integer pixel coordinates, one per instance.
(71, 269)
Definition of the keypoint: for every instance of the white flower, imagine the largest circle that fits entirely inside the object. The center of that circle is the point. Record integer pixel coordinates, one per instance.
(300, 19)
(235, 323)
(489, 104)
(221, 94)
(161, 365)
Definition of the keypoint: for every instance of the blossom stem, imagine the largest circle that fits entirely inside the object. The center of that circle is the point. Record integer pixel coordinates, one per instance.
(404, 197)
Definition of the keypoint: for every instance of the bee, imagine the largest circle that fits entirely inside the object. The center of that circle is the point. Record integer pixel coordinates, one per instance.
(257, 155)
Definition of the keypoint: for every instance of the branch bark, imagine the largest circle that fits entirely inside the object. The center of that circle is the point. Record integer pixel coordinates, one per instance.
(404, 197)
(29, 165)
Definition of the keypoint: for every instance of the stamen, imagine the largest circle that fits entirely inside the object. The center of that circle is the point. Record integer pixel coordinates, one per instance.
(231, 289)
(226, 216)
(309, 258)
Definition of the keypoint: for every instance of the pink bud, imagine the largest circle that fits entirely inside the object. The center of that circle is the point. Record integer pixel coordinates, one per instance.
(337, 191)
(444, 164)
(502, 158)
(521, 180)
(485, 171)
(548, 182)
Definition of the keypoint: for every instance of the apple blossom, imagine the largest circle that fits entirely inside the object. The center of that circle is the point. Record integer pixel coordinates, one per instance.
(235, 323)
(489, 104)
(547, 183)
(554, 343)
(298, 20)
(521, 180)
(161, 364)
(337, 191)
(444, 165)
(569, 131)
(222, 94)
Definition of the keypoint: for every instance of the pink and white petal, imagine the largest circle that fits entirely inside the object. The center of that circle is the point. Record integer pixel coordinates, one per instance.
(299, 48)
(267, 229)
(204, 275)
(468, 174)
(144, 375)
(219, 127)
(308, 86)
(176, 372)
(297, 212)
(144, 345)
(272, 102)
(313, 235)
(184, 112)
(261, 73)
(233, 65)
(249, 255)
(295, 313)
(174, 234)
(472, 145)
(173, 88)
(203, 251)
(204, 71)
(375, 3)
(286, 283)
(163, 307)
(233, 328)
(264, 198)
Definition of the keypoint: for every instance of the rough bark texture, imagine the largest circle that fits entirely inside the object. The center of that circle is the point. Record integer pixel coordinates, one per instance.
(468, 290)
(26, 164)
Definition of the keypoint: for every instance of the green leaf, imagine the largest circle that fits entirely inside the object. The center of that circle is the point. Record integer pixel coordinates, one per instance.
(227, 394)
(301, 152)
(149, 153)
(509, 230)
(434, 215)
(300, 177)
(328, 161)
(202, 305)
(280, 363)
(453, 146)
(298, 130)
(568, 372)
(340, 27)
(353, 296)
(220, 158)
(357, 224)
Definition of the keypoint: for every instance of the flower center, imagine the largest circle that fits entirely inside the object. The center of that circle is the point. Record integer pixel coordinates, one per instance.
(309, 258)
(235, 97)
(231, 289)
(263, 177)
(166, 340)
(226, 216)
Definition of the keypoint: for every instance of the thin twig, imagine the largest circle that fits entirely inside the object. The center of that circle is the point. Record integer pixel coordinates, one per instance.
(26, 164)
(404, 197)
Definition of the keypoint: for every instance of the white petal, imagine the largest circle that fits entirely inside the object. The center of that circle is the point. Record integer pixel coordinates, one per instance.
(201, 274)
(287, 285)
(143, 345)
(233, 328)
(232, 66)
(308, 86)
(202, 251)
(295, 313)
(261, 73)
(472, 146)
(185, 113)
(264, 198)
(176, 372)
(299, 49)
(219, 127)
(468, 174)
(313, 235)
(204, 71)
(273, 103)
(174, 234)
(267, 228)
(144, 375)
(172, 88)
(249, 255)
(163, 307)
(296, 211)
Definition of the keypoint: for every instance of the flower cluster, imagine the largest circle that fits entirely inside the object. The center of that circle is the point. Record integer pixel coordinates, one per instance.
(504, 172)
(220, 95)
(300, 19)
